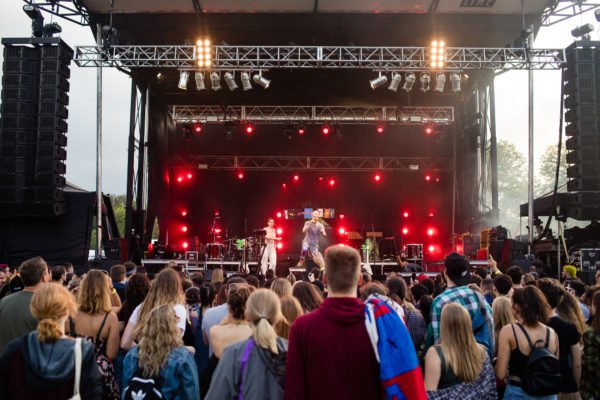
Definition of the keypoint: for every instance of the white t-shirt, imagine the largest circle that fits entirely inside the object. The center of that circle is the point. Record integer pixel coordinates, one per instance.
(180, 311)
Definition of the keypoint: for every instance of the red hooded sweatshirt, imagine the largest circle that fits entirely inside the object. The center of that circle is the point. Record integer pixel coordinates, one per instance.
(330, 355)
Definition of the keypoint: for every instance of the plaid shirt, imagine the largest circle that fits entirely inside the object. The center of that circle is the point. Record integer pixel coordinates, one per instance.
(469, 299)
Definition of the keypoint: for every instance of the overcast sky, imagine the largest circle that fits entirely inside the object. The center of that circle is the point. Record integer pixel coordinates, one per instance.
(511, 102)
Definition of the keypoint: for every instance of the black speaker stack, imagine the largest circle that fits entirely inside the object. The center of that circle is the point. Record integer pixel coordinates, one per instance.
(33, 127)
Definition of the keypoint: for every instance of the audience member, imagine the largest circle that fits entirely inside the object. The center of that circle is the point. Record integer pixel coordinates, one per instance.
(590, 375)
(59, 274)
(516, 274)
(316, 279)
(414, 320)
(577, 288)
(503, 314)
(308, 295)
(40, 365)
(428, 283)
(419, 290)
(291, 278)
(291, 310)
(217, 275)
(487, 287)
(197, 278)
(569, 310)
(119, 280)
(281, 287)
(503, 285)
(16, 318)
(137, 289)
(262, 356)
(130, 268)
(253, 281)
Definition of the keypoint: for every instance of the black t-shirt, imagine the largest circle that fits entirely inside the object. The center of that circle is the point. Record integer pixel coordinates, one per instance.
(567, 337)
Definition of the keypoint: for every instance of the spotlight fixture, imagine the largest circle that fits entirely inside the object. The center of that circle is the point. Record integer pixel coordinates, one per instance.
(184, 76)
(429, 130)
(301, 129)
(379, 81)
(198, 127)
(325, 129)
(249, 128)
(455, 81)
(203, 53)
(380, 128)
(230, 81)
(409, 81)
(395, 82)
(440, 82)
(582, 31)
(438, 53)
(37, 20)
(261, 80)
(199, 78)
(245, 78)
(425, 82)
(215, 81)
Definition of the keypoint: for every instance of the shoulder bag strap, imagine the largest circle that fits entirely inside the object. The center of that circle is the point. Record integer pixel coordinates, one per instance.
(101, 327)
(77, 349)
(526, 335)
(547, 337)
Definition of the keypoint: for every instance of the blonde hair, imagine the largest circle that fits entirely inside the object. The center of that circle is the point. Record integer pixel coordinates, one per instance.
(569, 310)
(290, 310)
(281, 287)
(503, 314)
(462, 353)
(49, 304)
(158, 337)
(263, 311)
(217, 275)
(165, 290)
(94, 294)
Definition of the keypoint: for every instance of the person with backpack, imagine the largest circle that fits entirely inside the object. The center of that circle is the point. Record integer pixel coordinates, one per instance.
(206, 294)
(160, 367)
(528, 350)
(590, 377)
(254, 368)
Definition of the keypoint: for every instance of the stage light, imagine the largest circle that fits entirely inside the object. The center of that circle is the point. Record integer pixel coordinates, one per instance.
(215, 81)
(279, 246)
(296, 178)
(203, 53)
(320, 178)
(278, 214)
(180, 179)
(230, 81)
(332, 182)
(428, 177)
(405, 214)
(245, 78)
(405, 231)
(377, 177)
(582, 31)
(284, 185)
(185, 245)
(395, 82)
(249, 128)
(380, 128)
(342, 216)
(409, 82)
(279, 231)
(198, 127)
(184, 76)
(301, 129)
(455, 81)
(440, 82)
(261, 80)
(218, 230)
(325, 129)
(425, 82)
(430, 231)
(199, 78)
(428, 130)
(184, 213)
(184, 228)
(431, 248)
(240, 175)
(189, 175)
(341, 231)
(379, 81)
(437, 54)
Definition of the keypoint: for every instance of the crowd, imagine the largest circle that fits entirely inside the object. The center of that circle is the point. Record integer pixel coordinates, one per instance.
(338, 334)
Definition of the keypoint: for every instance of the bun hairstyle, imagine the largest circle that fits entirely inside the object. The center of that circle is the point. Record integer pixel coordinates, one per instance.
(49, 304)
(236, 299)
(263, 311)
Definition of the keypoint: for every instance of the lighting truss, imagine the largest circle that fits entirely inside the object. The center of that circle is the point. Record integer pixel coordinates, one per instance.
(305, 163)
(71, 10)
(261, 58)
(315, 114)
(566, 9)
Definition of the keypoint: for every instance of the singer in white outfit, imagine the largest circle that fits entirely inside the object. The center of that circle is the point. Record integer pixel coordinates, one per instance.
(269, 258)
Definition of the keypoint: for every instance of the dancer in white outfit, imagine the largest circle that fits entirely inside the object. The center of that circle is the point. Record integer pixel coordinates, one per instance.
(269, 258)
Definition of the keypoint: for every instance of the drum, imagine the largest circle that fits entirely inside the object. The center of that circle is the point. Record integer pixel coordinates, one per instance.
(214, 251)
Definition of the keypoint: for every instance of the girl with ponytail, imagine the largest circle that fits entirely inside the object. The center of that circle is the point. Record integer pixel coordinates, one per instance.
(254, 368)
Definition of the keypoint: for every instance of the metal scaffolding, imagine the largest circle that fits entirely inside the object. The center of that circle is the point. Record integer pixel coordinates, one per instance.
(308, 114)
(71, 10)
(300, 163)
(260, 58)
(565, 9)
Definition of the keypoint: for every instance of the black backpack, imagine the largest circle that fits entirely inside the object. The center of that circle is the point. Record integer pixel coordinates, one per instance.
(143, 388)
(542, 370)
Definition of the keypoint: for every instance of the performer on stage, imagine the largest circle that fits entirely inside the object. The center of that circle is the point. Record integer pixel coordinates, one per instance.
(310, 244)
(269, 257)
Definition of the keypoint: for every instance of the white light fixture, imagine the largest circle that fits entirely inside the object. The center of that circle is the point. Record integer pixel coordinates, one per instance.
(246, 84)
(215, 81)
(379, 81)
(183, 80)
(455, 81)
(395, 82)
(409, 81)
(425, 82)
(230, 81)
(199, 78)
(440, 82)
(261, 80)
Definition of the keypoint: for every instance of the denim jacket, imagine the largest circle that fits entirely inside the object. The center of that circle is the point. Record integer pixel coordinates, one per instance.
(179, 378)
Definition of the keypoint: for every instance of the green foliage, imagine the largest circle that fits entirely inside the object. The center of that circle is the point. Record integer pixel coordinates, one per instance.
(547, 170)
(512, 183)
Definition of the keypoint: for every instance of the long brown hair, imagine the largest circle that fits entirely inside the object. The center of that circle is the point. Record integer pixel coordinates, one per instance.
(49, 304)
(569, 310)
(532, 305)
(290, 309)
(308, 295)
(462, 353)
(157, 338)
(94, 293)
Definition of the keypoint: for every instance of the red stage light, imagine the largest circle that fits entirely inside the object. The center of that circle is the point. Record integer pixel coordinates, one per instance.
(198, 127)
(278, 214)
(184, 228)
(296, 178)
(240, 175)
(405, 231)
(189, 175)
(341, 231)
(320, 178)
(325, 129)
(217, 230)
(428, 130)
(185, 245)
(405, 214)
(430, 231)
(279, 245)
(184, 213)
(377, 177)
(380, 128)
(279, 231)
(332, 182)
(431, 214)
(180, 179)
(284, 185)
(437, 179)
(427, 177)
(249, 129)
(301, 130)
(431, 248)
(342, 216)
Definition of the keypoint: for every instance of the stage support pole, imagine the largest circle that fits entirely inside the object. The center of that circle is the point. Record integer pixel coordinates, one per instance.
(454, 177)
(530, 149)
(494, 154)
(99, 150)
(130, 161)
(139, 203)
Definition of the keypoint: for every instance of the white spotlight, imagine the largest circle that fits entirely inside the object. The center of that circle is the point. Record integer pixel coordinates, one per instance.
(183, 80)
(261, 80)
(409, 81)
(455, 81)
(199, 78)
(246, 84)
(230, 81)
(440, 82)
(425, 82)
(379, 81)
(215, 81)
(395, 82)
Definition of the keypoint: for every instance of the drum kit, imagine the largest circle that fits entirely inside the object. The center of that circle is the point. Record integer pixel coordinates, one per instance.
(236, 248)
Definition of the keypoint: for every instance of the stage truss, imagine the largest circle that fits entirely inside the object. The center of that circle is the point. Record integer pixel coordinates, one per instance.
(300, 163)
(72, 11)
(567, 9)
(260, 58)
(314, 114)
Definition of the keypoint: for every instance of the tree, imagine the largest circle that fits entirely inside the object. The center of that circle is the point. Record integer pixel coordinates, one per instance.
(512, 183)
(547, 170)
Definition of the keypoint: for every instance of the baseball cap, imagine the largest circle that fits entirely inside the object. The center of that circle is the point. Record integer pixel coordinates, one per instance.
(457, 269)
